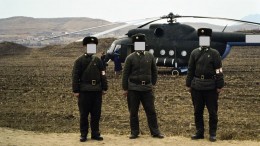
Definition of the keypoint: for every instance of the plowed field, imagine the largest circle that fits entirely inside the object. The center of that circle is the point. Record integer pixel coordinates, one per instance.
(35, 95)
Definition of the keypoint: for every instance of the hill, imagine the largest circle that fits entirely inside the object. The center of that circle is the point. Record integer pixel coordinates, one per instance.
(9, 48)
(28, 30)
(29, 25)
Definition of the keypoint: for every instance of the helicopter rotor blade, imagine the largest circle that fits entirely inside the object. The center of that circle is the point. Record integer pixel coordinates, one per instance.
(150, 22)
(219, 18)
(47, 38)
(121, 27)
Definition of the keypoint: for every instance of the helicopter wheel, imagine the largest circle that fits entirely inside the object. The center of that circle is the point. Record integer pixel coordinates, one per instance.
(175, 72)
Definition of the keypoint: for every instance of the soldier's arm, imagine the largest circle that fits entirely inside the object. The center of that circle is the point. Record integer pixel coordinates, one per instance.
(219, 71)
(126, 73)
(76, 77)
(104, 84)
(154, 71)
(191, 70)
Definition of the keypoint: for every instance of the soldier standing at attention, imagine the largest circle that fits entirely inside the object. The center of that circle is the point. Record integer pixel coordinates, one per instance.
(139, 75)
(205, 80)
(89, 83)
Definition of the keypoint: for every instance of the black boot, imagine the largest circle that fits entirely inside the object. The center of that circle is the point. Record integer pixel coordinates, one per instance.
(133, 136)
(98, 138)
(197, 136)
(83, 138)
(212, 138)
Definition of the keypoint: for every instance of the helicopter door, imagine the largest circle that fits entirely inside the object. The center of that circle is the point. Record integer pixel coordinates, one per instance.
(125, 51)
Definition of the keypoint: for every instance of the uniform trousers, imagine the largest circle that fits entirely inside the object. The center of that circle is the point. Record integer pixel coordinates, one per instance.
(210, 99)
(90, 103)
(134, 99)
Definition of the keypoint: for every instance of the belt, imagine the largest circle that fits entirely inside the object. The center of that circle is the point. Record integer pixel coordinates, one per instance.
(92, 82)
(205, 77)
(140, 82)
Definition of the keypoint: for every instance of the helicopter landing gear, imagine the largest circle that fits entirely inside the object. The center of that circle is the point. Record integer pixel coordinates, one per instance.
(175, 72)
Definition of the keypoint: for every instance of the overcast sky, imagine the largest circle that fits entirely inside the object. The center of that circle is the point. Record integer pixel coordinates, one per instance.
(125, 10)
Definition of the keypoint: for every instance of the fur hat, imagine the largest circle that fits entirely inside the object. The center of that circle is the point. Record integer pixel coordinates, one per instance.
(138, 38)
(90, 40)
(204, 32)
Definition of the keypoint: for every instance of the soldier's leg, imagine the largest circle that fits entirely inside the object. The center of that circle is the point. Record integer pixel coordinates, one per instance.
(133, 101)
(212, 106)
(147, 100)
(84, 110)
(95, 113)
(198, 104)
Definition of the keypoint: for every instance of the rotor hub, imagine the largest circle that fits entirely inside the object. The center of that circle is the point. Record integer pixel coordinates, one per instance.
(170, 17)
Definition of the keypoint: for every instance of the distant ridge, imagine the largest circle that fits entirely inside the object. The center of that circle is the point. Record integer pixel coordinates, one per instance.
(21, 24)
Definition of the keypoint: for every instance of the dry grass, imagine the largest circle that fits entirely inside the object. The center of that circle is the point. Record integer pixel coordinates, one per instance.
(36, 95)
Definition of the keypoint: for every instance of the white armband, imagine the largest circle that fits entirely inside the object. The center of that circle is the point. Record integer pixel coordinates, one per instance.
(219, 70)
(103, 73)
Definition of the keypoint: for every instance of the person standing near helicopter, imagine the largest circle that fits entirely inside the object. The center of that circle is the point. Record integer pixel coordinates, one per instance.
(89, 83)
(205, 81)
(139, 76)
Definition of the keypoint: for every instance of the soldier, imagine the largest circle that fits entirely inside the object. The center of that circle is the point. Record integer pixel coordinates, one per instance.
(89, 83)
(139, 76)
(103, 59)
(205, 80)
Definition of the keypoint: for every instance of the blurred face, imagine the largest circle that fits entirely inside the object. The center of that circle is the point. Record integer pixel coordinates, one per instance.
(204, 41)
(91, 49)
(139, 46)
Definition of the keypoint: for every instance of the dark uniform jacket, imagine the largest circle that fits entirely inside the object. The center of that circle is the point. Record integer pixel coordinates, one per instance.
(91, 79)
(140, 72)
(203, 64)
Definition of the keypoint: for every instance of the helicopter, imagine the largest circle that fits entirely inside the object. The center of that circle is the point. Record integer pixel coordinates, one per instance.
(172, 43)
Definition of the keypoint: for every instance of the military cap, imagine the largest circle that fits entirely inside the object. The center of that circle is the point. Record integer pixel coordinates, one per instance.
(204, 32)
(90, 40)
(138, 38)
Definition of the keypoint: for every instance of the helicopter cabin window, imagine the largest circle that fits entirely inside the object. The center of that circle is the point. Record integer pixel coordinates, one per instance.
(151, 51)
(171, 52)
(162, 52)
(183, 53)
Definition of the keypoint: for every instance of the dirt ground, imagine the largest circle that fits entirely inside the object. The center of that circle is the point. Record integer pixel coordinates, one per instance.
(10, 137)
(35, 96)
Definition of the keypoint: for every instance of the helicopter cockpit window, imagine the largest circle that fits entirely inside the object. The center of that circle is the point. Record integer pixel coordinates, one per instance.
(151, 51)
(162, 52)
(158, 32)
(171, 52)
(111, 49)
(117, 47)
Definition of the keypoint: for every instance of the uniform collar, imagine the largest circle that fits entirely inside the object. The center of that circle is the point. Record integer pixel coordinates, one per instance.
(140, 53)
(88, 55)
(204, 49)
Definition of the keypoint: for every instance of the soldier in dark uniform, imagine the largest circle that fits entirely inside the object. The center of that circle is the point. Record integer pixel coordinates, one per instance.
(103, 59)
(139, 76)
(89, 83)
(205, 80)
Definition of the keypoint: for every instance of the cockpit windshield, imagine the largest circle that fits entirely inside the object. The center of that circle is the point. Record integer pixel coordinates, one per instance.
(111, 48)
